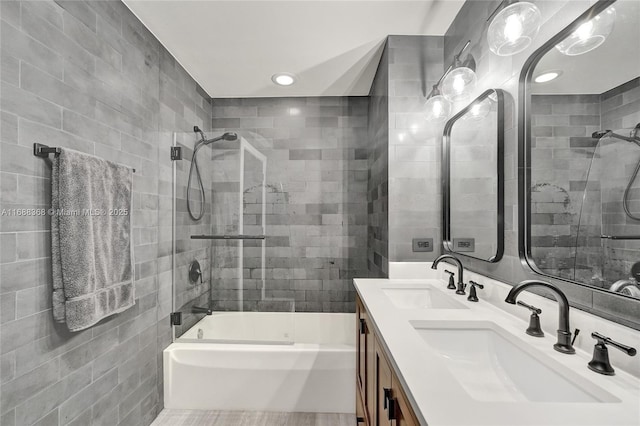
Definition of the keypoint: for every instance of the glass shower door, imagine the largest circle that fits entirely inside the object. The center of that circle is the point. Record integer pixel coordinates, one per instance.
(229, 244)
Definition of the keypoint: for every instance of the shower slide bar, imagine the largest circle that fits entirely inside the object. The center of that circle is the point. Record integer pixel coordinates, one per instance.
(43, 151)
(228, 237)
(620, 237)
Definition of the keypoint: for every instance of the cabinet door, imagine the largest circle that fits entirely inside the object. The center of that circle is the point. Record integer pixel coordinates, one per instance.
(361, 420)
(361, 349)
(404, 416)
(371, 382)
(384, 399)
(363, 341)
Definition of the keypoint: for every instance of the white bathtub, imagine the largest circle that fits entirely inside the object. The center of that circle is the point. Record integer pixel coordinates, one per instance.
(293, 362)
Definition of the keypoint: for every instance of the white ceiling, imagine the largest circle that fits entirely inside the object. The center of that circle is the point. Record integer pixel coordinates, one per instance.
(613, 63)
(232, 48)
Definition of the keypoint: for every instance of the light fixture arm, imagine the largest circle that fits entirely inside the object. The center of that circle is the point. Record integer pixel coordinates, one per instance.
(456, 63)
(501, 6)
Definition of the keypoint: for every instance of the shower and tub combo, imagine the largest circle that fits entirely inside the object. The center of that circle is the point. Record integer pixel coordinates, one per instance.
(231, 351)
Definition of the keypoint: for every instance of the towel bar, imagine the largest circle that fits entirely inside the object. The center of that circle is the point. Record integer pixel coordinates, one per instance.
(43, 151)
(228, 237)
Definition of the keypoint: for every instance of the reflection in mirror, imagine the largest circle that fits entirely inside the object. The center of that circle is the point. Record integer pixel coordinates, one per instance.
(473, 184)
(584, 153)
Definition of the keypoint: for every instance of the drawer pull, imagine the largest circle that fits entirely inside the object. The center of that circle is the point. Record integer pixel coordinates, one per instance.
(387, 397)
(391, 412)
(363, 326)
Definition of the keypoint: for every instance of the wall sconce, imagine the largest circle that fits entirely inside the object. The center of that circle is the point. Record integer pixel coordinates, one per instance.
(457, 82)
(437, 106)
(513, 27)
(460, 80)
(590, 34)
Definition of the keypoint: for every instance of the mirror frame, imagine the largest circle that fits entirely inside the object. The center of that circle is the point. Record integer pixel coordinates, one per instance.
(524, 147)
(447, 243)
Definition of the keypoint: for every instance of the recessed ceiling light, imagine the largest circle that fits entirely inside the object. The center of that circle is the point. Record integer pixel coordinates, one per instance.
(546, 77)
(283, 79)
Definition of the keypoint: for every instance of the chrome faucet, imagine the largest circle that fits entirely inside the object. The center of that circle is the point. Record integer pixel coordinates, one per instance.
(564, 331)
(461, 284)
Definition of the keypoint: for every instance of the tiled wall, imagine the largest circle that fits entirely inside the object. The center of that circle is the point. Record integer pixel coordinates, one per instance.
(87, 76)
(415, 65)
(316, 221)
(504, 73)
(378, 180)
(404, 181)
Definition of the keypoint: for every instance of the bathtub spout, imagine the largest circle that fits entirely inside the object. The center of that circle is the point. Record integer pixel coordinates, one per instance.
(200, 310)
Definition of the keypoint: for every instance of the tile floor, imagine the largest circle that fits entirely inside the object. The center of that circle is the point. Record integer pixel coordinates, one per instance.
(250, 418)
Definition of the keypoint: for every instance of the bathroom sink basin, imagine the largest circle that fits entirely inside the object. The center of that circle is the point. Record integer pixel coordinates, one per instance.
(491, 365)
(423, 297)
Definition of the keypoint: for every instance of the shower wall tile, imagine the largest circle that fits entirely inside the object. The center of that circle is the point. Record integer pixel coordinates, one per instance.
(316, 202)
(86, 75)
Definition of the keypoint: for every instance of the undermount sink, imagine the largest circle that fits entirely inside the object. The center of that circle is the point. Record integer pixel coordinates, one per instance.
(491, 365)
(422, 297)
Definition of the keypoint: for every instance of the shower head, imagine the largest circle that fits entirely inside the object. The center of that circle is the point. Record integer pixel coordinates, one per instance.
(633, 136)
(601, 134)
(229, 136)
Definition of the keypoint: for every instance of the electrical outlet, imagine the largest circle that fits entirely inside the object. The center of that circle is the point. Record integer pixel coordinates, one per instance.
(462, 245)
(422, 244)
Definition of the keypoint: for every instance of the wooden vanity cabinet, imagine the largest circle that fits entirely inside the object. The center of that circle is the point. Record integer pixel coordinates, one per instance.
(380, 399)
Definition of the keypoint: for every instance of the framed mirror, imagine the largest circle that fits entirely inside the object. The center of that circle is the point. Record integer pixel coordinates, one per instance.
(473, 179)
(580, 152)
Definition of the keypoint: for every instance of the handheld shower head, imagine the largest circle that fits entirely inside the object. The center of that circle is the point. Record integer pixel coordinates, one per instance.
(600, 134)
(231, 136)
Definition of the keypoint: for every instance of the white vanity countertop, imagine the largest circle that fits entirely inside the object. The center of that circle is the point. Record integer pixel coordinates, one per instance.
(440, 400)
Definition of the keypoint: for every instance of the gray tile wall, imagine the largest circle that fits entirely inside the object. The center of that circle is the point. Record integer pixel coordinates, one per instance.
(88, 76)
(316, 224)
(415, 65)
(504, 72)
(378, 179)
(404, 182)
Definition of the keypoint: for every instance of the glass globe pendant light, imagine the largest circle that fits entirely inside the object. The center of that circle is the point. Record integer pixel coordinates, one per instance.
(589, 35)
(513, 28)
(461, 80)
(437, 107)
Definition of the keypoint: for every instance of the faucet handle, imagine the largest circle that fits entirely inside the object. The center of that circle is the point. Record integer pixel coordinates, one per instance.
(530, 307)
(600, 361)
(534, 321)
(473, 296)
(452, 282)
